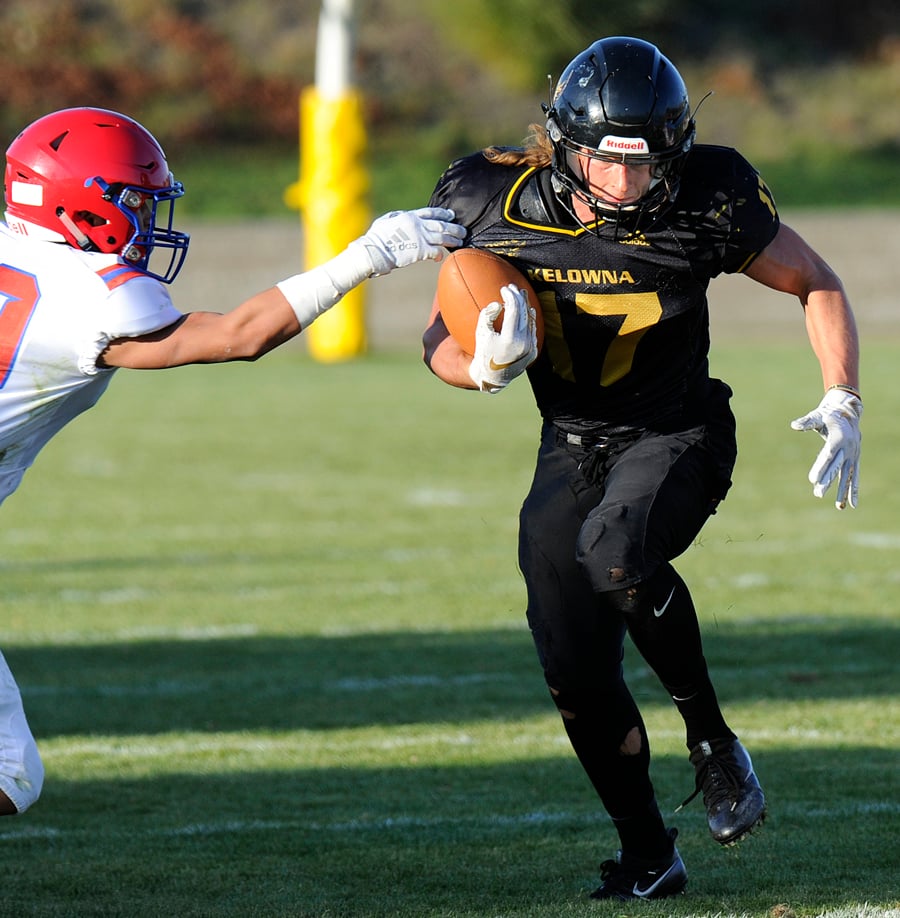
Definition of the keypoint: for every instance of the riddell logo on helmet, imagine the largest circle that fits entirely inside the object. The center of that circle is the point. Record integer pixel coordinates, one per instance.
(612, 144)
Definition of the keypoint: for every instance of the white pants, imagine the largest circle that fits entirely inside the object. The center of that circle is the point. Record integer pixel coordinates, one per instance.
(21, 769)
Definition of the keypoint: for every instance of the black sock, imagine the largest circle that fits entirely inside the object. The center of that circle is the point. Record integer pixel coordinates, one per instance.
(662, 623)
(699, 708)
(644, 836)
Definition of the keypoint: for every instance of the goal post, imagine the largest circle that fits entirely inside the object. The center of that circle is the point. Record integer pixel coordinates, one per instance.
(332, 194)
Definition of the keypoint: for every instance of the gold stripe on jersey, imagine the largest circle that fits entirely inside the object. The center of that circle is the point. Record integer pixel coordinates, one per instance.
(766, 196)
(540, 227)
(746, 264)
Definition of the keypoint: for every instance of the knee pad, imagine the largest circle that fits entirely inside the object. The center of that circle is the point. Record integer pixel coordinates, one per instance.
(608, 548)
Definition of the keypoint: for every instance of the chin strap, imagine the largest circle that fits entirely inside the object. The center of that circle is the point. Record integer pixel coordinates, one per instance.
(84, 243)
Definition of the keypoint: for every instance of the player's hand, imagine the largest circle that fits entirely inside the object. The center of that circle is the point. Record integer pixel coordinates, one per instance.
(501, 356)
(393, 241)
(404, 237)
(837, 419)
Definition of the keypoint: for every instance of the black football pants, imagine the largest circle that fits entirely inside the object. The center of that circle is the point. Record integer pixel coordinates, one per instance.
(597, 532)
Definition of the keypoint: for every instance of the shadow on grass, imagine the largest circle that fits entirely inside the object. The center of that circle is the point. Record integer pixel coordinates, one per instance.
(402, 677)
(520, 838)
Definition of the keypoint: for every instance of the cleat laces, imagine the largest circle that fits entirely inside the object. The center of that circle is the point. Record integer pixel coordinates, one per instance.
(720, 778)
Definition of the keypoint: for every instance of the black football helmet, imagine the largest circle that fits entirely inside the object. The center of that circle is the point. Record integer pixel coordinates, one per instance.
(620, 100)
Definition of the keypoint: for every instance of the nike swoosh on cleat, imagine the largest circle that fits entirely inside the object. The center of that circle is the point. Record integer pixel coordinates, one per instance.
(648, 891)
(665, 605)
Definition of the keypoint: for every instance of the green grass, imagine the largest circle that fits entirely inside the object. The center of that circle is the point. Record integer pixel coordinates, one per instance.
(833, 178)
(268, 626)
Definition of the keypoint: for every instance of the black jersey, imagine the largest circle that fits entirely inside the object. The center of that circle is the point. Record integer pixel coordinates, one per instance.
(625, 315)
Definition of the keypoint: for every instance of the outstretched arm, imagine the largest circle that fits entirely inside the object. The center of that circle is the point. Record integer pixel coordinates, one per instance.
(276, 315)
(790, 265)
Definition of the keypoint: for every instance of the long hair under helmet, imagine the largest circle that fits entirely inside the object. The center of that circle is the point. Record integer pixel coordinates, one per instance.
(620, 100)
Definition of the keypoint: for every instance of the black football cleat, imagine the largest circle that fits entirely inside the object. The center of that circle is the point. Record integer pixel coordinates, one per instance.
(734, 801)
(629, 877)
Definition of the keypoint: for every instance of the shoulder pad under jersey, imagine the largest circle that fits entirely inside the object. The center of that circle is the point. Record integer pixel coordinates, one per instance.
(473, 187)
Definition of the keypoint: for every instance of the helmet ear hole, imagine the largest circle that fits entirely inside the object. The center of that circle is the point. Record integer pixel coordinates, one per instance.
(90, 218)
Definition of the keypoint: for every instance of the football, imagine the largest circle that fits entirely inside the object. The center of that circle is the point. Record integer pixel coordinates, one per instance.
(468, 280)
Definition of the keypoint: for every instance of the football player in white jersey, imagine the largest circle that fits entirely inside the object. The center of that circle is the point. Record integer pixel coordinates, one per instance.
(86, 252)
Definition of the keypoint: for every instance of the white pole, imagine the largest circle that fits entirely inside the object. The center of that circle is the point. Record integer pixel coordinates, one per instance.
(334, 49)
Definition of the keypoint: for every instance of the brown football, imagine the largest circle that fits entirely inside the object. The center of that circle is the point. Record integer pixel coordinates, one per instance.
(470, 279)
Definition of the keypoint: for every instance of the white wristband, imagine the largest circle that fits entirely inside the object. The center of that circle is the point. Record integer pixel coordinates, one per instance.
(310, 294)
(317, 290)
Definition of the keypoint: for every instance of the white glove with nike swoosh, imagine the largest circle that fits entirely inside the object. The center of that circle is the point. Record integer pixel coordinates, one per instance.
(837, 420)
(501, 356)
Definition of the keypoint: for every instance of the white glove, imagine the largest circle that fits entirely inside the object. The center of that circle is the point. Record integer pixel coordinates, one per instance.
(393, 241)
(501, 356)
(403, 237)
(837, 419)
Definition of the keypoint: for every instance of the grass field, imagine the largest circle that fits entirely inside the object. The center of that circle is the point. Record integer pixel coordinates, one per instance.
(269, 629)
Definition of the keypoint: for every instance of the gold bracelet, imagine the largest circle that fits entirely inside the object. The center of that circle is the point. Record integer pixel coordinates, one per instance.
(845, 388)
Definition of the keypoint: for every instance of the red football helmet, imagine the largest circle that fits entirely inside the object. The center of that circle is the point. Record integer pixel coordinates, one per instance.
(94, 179)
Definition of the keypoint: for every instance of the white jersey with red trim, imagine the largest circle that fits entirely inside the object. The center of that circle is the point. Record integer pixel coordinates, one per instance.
(59, 309)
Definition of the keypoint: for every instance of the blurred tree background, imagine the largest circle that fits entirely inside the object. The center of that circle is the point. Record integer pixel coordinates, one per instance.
(808, 90)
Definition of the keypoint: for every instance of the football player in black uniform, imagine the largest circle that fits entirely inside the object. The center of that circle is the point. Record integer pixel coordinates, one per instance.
(620, 220)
